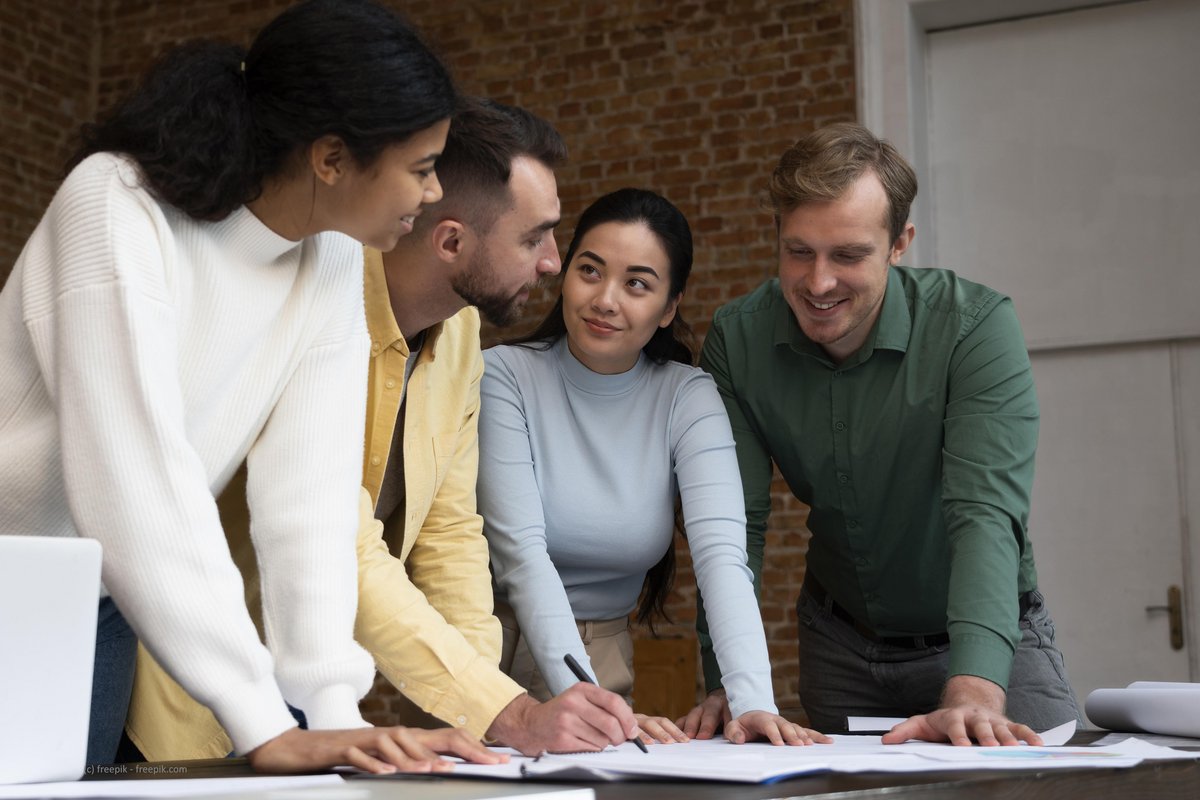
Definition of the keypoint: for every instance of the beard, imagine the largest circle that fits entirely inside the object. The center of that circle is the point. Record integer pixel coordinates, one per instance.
(477, 286)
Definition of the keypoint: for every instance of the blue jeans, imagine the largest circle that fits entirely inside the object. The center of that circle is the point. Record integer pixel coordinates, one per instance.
(112, 682)
(843, 673)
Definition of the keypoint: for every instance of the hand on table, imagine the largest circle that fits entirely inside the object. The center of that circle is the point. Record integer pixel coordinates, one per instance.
(772, 727)
(379, 750)
(706, 719)
(659, 730)
(972, 709)
(583, 718)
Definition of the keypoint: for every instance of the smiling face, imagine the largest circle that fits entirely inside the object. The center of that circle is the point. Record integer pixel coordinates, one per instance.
(518, 250)
(376, 204)
(616, 294)
(833, 264)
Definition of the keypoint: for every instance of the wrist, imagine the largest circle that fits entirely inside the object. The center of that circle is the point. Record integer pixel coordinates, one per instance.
(971, 690)
(513, 719)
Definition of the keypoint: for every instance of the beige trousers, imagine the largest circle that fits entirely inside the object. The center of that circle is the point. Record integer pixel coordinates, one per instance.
(607, 642)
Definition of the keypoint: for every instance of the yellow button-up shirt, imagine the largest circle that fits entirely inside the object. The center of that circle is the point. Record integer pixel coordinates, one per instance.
(425, 592)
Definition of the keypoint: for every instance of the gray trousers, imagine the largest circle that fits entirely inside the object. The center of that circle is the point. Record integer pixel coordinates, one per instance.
(843, 673)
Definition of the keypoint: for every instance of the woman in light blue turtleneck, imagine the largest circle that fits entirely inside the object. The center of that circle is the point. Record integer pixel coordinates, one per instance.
(589, 430)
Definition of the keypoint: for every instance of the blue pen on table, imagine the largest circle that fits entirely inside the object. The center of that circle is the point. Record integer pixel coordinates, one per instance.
(577, 670)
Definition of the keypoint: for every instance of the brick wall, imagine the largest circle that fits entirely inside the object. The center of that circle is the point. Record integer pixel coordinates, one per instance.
(47, 49)
(692, 98)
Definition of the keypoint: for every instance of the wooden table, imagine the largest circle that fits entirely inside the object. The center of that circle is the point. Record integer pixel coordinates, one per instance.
(1161, 779)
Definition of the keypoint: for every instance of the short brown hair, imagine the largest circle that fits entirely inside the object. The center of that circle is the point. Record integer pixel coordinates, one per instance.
(823, 164)
(476, 164)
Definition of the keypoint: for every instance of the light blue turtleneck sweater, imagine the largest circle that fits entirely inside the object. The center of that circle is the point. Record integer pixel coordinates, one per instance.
(578, 475)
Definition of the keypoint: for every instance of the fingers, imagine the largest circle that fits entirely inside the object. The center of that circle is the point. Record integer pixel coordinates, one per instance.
(586, 717)
(460, 743)
(367, 763)
(818, 737)
(963, 726)
(1024, 733)
(703, 721)
(772, 727)
(377, 750)
(690, 724)
(794, 735)
(912, 728)
(710, 721)
(659, 729)
(956, 730)
(403, 750)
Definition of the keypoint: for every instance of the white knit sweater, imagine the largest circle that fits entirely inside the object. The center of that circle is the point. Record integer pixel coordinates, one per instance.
(143, 355)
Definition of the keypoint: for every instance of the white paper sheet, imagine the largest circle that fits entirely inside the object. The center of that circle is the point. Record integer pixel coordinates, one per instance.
(1172, 709)
(1150, 738)
(718, 760)
(858, 724)
(174, 787)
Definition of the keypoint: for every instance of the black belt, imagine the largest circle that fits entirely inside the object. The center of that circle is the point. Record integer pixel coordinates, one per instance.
(818, 593)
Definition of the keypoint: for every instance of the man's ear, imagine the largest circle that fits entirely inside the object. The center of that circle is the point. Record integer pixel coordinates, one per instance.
(329, 159)
(449, 238)
(902, 243)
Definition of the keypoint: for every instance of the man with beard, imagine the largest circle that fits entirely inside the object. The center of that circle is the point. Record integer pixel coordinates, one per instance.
(425, 596)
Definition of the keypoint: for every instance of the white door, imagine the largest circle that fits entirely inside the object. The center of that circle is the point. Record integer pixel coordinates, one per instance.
(1062, 167)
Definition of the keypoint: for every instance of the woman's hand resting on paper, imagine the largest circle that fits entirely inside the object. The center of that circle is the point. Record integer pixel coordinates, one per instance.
(379, 750)
(712, 715)
(659, 730)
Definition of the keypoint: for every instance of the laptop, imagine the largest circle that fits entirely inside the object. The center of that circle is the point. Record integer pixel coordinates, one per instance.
(49, 593)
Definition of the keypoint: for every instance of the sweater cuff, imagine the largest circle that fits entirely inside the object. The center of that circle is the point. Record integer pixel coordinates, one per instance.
(981, 656)
(253, 714)
(333, 708)
(743, 702)
(476, 698)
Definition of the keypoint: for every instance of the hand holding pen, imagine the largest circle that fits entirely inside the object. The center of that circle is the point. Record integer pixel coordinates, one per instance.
(579, 673)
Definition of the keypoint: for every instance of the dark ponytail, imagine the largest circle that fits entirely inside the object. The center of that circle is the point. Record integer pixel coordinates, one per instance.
(188, 127)
(211, 122)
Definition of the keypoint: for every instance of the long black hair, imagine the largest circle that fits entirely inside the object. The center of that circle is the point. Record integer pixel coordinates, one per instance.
(212, 121)
(670, 227)
(672, 343)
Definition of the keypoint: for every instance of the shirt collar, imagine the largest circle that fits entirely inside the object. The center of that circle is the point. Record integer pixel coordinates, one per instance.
(891, 331)
(381, 322)
(894, 326)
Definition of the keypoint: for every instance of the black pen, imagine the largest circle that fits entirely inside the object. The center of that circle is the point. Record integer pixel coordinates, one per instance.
(577, 670)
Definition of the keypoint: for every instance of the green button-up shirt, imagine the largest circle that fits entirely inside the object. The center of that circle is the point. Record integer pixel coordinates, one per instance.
(915, 456)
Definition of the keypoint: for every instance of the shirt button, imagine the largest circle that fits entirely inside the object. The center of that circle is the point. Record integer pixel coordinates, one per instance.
(843, 478)
(401, 685)
(375, 347)
(462, 720)
(841, 426)
(862, 562)
(375, 461)
(852, 524)
(389, 383)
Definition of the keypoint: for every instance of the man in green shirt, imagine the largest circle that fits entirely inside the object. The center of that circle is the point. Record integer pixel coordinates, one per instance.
(899, 405)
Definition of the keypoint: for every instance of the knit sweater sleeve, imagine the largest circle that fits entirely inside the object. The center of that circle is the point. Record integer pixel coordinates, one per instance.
(302, 488)
(706, 469)
(103, 328)
(510, 501)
